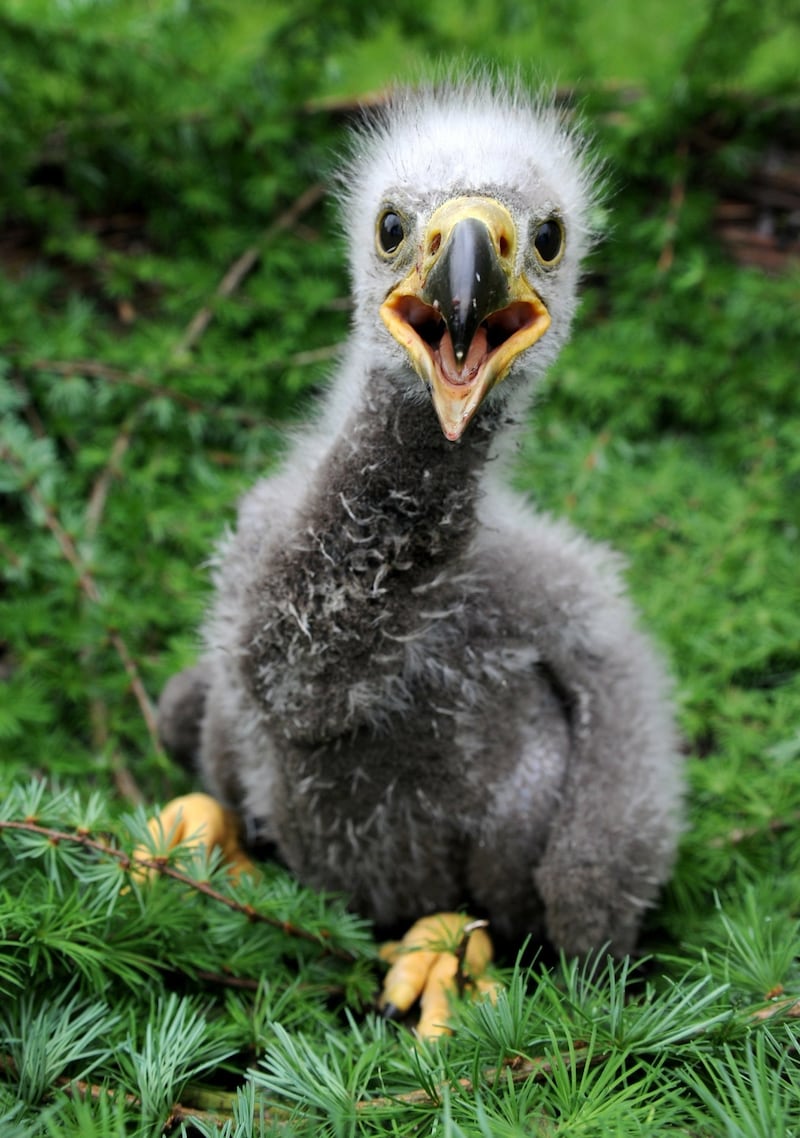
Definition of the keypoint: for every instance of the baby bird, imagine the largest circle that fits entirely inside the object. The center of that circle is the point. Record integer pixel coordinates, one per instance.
(428, 695)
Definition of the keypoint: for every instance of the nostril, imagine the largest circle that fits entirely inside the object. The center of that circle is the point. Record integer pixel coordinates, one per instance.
(435, 243)
(503, 245)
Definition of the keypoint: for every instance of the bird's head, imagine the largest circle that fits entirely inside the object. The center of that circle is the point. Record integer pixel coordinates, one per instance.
(466, 213)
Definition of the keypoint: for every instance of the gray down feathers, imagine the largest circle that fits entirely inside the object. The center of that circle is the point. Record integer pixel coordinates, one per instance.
(427, 694)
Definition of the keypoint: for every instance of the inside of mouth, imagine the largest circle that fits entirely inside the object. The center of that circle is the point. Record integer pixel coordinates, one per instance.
(429, 324)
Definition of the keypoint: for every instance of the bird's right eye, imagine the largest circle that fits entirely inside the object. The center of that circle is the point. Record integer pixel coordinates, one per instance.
(391, 232)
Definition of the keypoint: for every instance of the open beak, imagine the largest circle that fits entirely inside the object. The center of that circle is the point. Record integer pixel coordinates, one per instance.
(461, 314)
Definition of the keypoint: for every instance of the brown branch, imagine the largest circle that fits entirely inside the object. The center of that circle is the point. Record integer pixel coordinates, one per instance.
(676, 199)
(743, 833)
(537, 1069)
(98, 712)
(790, 1007)
(243, 265)
(99, 370)
(32, 415)
(133, 863)
(100, 491)
(521, 1071)
(89, 588)
(126, 784)
(80, 1088)
(246, 983)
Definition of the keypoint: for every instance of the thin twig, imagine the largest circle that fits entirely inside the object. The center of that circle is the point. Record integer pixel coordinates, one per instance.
(132, 863)
(88, 587)
(247, 983)
(98, 711)
(743, 833)
(676, 199)
(521, 1071)
(243, 265)
(79, 1088)
(99, 495)
(127, 786)
(790, 1007)
(100, 370)
(517, 1068)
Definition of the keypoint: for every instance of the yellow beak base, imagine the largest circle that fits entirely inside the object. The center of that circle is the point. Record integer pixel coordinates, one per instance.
(463, 265)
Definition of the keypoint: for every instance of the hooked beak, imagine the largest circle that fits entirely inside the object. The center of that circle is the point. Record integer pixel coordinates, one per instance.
(461, 314)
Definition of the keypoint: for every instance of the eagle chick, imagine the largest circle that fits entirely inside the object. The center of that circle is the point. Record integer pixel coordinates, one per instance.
(427, 694)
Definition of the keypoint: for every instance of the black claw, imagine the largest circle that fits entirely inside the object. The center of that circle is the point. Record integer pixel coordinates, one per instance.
(390, 1011)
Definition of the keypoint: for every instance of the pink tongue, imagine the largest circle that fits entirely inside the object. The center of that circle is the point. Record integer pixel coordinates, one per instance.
(460, 374)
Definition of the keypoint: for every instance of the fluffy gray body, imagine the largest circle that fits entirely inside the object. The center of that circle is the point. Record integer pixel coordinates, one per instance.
(427, 694)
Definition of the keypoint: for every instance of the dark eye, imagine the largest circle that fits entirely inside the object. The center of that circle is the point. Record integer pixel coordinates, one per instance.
(391, 231)
(548, 241)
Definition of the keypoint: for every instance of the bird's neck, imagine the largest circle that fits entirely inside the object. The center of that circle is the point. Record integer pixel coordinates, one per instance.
(394, 488)
(391, 507)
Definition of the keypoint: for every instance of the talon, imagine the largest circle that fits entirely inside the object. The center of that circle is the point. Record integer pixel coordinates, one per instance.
(429, 965)
(198, 820)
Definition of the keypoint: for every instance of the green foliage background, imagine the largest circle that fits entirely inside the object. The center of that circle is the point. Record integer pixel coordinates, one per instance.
(146, 149)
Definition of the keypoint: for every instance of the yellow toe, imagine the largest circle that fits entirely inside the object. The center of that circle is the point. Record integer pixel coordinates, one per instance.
(198, 820)
(432, 963)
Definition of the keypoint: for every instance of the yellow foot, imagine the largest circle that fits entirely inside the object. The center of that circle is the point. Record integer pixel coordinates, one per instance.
(439, 957)
(199, 820)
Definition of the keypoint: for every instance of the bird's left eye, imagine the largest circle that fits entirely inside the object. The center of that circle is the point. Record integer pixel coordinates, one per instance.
(391, 232)
(548, 241)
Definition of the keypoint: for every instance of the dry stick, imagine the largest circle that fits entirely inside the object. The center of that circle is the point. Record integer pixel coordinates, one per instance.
(536, 1069)
(98, 712)
(676, 199)
(111, 470)
(521, 1070)
(743, 833)
(124, 780)
(789, 1007)
(244, 265)
(134, 862)
(461, 952)
(89, 588)
(80, 1088)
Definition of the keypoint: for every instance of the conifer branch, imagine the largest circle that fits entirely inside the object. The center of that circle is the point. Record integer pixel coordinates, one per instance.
(135, 862)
